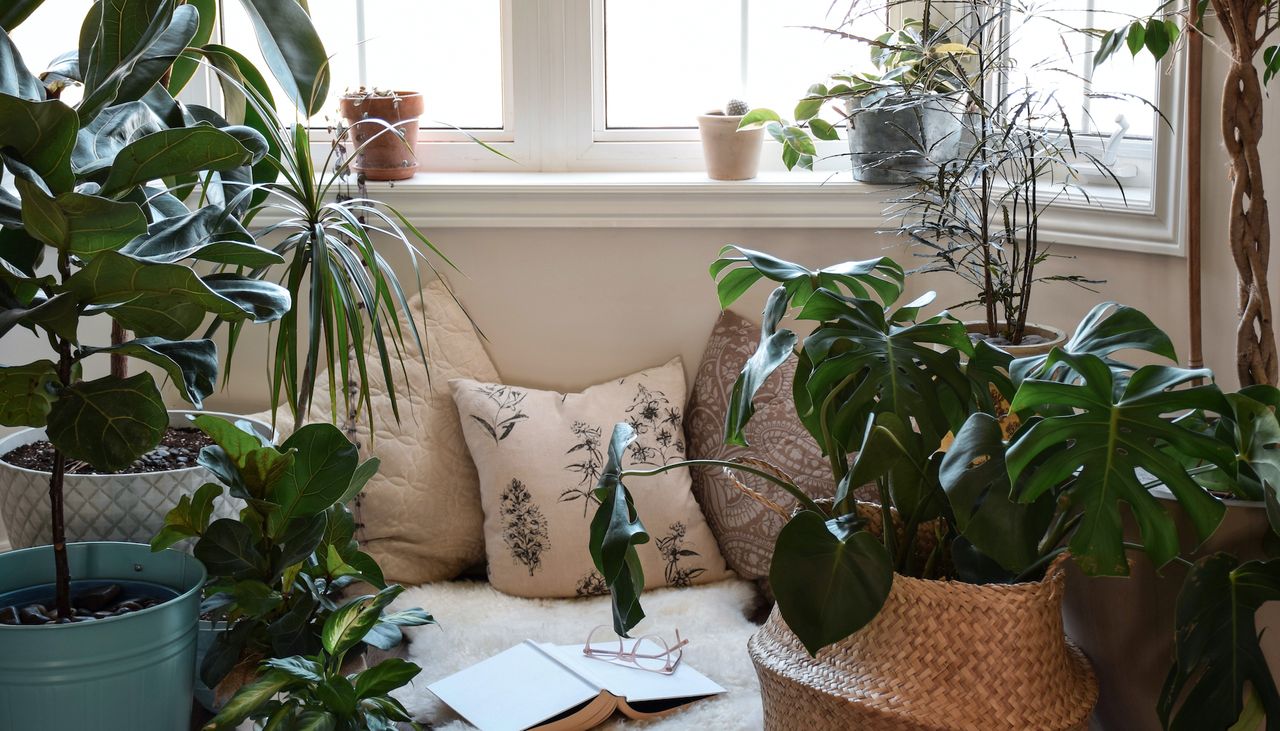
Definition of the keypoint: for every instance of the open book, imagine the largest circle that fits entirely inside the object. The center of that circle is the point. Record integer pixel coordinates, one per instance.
(558, 688)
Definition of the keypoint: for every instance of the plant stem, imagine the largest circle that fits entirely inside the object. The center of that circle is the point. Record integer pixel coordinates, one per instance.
(119, 363)
(795, 491)
(62, 572)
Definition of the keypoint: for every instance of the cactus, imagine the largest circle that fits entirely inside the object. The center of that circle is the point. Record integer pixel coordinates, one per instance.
(736, 108)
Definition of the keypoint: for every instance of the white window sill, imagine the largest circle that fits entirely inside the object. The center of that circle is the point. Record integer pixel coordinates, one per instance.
(691, 200)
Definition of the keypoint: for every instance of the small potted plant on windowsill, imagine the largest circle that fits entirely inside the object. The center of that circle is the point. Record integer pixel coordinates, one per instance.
(730, 153)
(383, 125)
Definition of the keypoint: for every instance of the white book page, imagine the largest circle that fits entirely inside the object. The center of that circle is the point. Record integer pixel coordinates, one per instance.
(514, 690)
(631, 682)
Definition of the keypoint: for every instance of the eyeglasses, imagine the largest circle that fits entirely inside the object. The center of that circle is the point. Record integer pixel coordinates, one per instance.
(650, 652)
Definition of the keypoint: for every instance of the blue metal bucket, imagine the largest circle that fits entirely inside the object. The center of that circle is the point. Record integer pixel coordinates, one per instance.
(128, 673)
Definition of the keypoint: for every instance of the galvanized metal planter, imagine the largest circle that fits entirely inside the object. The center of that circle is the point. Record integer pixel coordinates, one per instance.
(886, 141)
(128, 673)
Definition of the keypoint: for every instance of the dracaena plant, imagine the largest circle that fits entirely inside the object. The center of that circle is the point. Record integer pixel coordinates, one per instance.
(311, 692)
(1008, 463)
(93, 229)
(277, 574)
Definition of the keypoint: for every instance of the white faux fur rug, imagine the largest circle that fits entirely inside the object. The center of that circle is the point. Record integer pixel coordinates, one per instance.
(476, 622)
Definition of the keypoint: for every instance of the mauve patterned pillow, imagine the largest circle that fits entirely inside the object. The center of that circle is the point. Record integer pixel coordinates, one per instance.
(744, 527)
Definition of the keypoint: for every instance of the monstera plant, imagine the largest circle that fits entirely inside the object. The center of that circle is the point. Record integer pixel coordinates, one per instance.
(988, 468)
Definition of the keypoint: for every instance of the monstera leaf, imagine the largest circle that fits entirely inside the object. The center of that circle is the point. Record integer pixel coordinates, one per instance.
(1097, 455)
(1108, 329)
(109, 422)
(883, 277)
(862, 361)
(616, 530)
(1218, 655)
(976, 481)
(830, 577)
(776, 346)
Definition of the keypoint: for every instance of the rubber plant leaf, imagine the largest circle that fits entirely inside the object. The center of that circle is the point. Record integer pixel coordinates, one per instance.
(293, 51)
(174, 152)
(830, 577)
(616, 530)
(207, 234)
(15, 78)
(98, 143)
(323, 465)
(185, 66)
(1101, 451)
(192, 364)
(41, 134)
(109, 422)
(1219, 658)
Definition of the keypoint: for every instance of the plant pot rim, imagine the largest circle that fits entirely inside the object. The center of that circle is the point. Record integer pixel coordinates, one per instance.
(88, 626)
(718, 117)
(5, 448)
(1163, 493)
(351, 95)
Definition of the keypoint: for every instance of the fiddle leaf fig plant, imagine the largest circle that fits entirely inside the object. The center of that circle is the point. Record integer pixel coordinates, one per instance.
(89, 184)
(987, 468)
(276, 574)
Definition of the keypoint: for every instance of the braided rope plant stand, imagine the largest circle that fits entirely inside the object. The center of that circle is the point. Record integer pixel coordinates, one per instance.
(940, 656)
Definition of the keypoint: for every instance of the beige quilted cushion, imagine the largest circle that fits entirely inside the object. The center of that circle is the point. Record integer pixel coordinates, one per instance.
(420, 516)
(540, 454)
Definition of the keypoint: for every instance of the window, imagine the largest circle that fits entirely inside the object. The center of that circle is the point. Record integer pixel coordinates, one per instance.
(46, 34)
(661, 74)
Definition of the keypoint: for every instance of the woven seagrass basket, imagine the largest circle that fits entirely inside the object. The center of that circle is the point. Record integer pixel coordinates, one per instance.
(940, 656)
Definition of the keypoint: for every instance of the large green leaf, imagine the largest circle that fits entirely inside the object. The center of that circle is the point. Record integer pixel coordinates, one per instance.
(58, 314)
(322, 468)
(251, 697)
(229, 549)
(27, 392)
(189, 518)
(116, 35)
(16, 11)
(976, 481)
(174, 152)
(293, 51)
(1109, 328)
(15, 78)
(117, 127)
(207, 234)
(1097, 454)
(150, 65)
(42, 135)
(616, 530)
(242, 459)
(351, 622)
(192, 364)
(1219, 658)
(775, 348)
(862, 361)
(82, 224)
(112, 278)
(735, 275)
(109, 422)
(830, 578)
(385, 677)
(185, 67)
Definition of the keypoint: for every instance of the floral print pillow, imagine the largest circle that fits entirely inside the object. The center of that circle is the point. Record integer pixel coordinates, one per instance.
(539, 455)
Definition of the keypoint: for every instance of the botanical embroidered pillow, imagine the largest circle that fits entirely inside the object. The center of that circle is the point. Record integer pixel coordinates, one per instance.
(539, 454)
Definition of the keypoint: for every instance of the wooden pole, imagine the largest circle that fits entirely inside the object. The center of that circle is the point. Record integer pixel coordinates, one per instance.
(1195, 89)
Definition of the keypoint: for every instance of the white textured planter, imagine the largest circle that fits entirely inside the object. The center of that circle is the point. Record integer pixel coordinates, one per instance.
(129, 508)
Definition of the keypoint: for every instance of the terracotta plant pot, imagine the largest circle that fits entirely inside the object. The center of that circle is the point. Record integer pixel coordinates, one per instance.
(730, 153)
(940, 655)
(1053, 336)
(388, 156)
(1125, 624)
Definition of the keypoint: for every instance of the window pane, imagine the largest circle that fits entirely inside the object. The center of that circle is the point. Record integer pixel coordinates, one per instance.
(667, 61)
(53, 29)
(450, 52)
(1046, 57)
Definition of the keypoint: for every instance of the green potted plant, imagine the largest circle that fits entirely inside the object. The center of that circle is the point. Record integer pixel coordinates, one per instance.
(730, 153)
(307, 692)
(277, 572)
(977, 459)
(368, 113)
(902, 119)
(87, 200)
